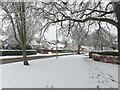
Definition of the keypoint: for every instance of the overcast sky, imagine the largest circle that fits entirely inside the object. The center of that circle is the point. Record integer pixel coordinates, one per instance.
(51, 34)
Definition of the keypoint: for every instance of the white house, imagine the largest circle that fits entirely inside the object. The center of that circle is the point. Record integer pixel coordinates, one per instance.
(2, 38)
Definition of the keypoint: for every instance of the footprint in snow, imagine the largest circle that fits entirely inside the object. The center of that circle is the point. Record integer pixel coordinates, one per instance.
(98, 87)
(109, 75)
(112, 80)
(102, 81)
(48, 86)
(98, 81)
(98, 74)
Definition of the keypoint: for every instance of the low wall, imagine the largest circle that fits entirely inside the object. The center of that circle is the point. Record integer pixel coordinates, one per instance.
(106, 58)
(107, 53)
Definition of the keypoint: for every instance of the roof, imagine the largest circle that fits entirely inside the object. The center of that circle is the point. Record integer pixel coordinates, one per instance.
(2, 38)
(60, 45)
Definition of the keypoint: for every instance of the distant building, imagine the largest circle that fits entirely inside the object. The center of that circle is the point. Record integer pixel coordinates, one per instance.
(59, 45)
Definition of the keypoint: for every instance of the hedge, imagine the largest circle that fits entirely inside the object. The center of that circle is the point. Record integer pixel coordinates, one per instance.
(110, 53)
(16, 52)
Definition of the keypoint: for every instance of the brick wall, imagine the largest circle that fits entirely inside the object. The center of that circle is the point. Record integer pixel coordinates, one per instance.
(106, 58)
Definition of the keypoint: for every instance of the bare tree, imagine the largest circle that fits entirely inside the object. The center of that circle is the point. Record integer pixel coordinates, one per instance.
(24, 22)
(16, 12)
(79, 35)
(59, 12)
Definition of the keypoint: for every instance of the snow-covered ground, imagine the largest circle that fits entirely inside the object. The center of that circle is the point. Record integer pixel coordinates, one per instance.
(74, 71)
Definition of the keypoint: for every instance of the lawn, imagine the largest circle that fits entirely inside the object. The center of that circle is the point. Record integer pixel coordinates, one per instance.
(73, 71)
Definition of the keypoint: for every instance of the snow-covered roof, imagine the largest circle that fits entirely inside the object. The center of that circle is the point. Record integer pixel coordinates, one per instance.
(59, 48)
(34, 43)
(60, 45)
(2, 38)
(88, 48)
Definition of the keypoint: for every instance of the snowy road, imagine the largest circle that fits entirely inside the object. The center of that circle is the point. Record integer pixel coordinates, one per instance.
(75, 71)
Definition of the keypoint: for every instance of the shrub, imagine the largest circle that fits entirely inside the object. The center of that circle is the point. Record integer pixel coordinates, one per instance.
(45, 51)
(16, 52)
(28, 47)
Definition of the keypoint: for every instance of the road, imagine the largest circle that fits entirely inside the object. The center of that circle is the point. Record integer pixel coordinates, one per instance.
(11, 59)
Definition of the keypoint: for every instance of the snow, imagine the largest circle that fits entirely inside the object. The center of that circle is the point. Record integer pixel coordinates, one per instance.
(2, 38)
(59, 48)
(105, 75)
(88, 49)
(73, 71)
(60, 45)
(106, 51)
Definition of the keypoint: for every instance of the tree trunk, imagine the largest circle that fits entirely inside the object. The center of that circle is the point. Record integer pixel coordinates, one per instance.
(23, 20)
(119, 41)
(117, 12)
(25, 55)
(102, 47)
(78, 52)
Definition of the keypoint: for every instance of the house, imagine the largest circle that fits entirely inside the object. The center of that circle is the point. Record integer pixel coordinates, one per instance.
(59, 46)
(2, 38)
